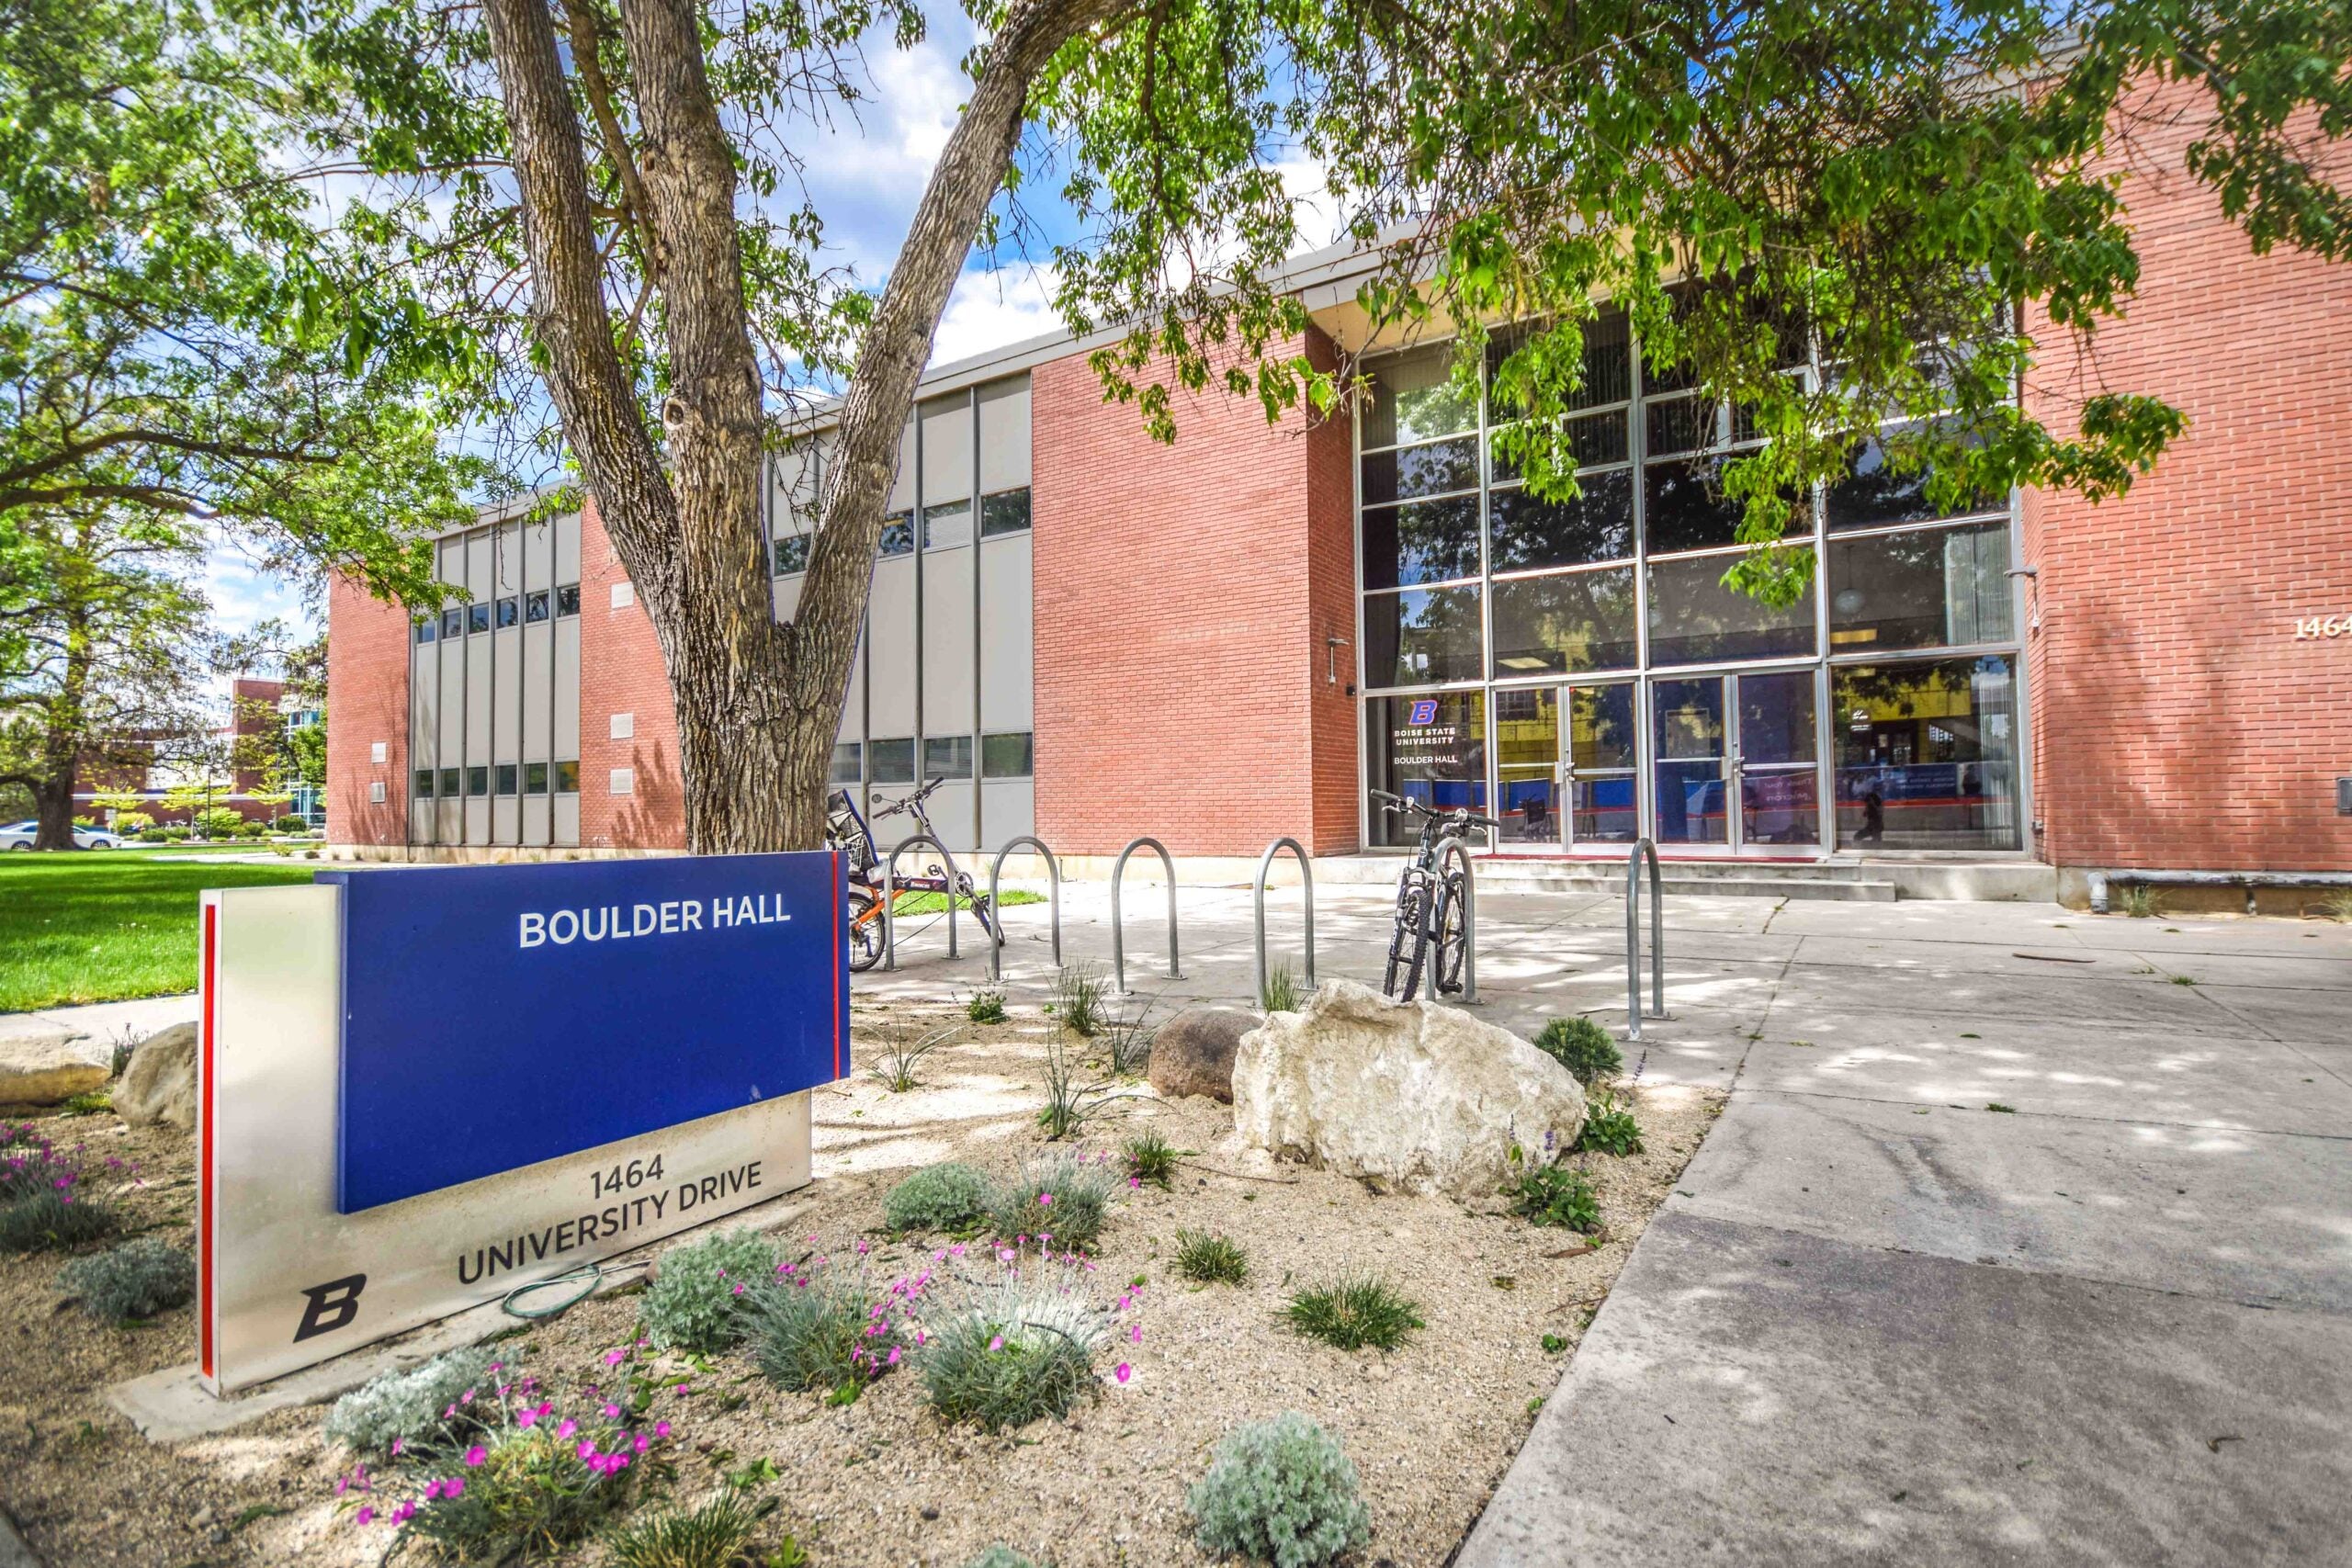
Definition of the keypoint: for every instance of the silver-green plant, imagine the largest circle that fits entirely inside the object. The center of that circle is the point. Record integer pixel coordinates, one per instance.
(944, 1197)
(424, 1408)
(1019, 1348)
(697, 1299)
(138, 1278)
(1000, 1555)
(712, 1536)
(821, 1328)
(1280, 1492)
(1065, 1196)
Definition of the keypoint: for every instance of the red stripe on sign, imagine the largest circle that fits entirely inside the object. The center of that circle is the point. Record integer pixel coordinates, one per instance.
(841, 959)
(207, 971)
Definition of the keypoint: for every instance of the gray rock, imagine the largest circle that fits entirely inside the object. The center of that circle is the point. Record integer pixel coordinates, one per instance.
(159, 1083)
(1417, 1096)
(1192, 1053)
(43, 1063)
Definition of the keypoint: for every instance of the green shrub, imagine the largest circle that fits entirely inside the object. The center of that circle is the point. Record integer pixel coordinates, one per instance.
(422, 1408)
(86, 823)
(986, 1007)
(1582, 1047)
(1078, 1004)
(219, 822)
(1608, 1129)
(533, 1494)
(1080, 1191)
(821, 1328)
(289, 823)
(1352, 1314)
(700, 1294)
(176, 835)
(1210, 1260)
(1280, 993)
(253, 829)
(1001, 1556)
(157, 836)
(945, 1196)
(1021, 1351)
(138, 1279)
(1280, 1491)
(138, 822)
(1152, 1159)
(712, 1536)
(1557, 1195)
(54, 1219)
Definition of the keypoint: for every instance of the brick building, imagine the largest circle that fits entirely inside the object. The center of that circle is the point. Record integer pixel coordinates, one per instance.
(1091, 636)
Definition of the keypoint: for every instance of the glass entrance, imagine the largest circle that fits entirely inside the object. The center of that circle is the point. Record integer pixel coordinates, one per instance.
(1601, 764)
(1736, 761)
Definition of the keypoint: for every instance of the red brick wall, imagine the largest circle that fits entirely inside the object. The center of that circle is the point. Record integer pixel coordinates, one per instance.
(2179, 722)
(367, 663)
(1182, 598)
(621, 672)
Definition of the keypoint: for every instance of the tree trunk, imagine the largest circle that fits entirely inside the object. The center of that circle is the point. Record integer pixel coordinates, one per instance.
(64, 734)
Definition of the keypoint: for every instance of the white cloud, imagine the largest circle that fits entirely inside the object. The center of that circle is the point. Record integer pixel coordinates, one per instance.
(993, 306)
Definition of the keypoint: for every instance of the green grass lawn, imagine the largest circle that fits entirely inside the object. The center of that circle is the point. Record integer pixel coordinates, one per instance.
(98, 925)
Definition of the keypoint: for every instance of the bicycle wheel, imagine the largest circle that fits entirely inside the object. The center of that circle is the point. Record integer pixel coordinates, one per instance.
(1408, 943)
(863, 924)
(1452, 942)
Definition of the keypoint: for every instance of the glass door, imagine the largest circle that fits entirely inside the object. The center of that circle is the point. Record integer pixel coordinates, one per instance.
(1690, 758)
(1527, 768)
(1600, 765)
(1736, 761)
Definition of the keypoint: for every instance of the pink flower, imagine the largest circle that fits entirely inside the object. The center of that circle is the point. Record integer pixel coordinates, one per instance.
(661, 1428)
(1134, 1181)
(1134, 1335)
(453, 1487)
(564, 1431)
(642, 1444)
(997, 1343)
(526, 1417)
(612, 1412)
(476, 1455)
(367, 1515)
(587, 1448)
(432, 1490)
(404, 1513)
(894, 1355)
(1123, 1372)
(615, 1357)
(398, 1444)
(1045, 1199)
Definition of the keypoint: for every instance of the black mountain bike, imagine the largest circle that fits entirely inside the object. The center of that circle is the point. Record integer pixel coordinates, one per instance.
(1430, 903)
(845, 831)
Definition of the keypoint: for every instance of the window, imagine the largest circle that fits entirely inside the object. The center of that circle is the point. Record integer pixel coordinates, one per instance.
(1007, 756)
(1598, 525)
(849, 759)
(1684, 506)
(948, 525)
(477, 618)
(425, 629)
(1426, 541)
(477, 781)
(897, 535)
(1577, 620)
(535, 778)
(534, 606)
(506, 771)
(1876, 491)
(947, 757)
(510, 612)
(791, 554)
(892, 762)
(1006, 511)
(1926, 754)
(1927, 588)
(452, 783)
(1695, 619)
(566, 599)
(1417, 471)
(453, 622)
(375, 792)
(567, 777)
(1430, 748)
(1414, 398)
(1421, 637)
(423, 790)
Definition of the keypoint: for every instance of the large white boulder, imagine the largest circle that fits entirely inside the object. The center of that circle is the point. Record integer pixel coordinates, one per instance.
(160, 1084)
(43, 1063)
(1423, 1096)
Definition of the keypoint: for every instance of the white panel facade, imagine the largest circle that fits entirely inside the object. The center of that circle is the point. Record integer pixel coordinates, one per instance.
(902, 489)
(890, 650)
(1004, 434)
(1008, 651)
(1007, 810)
(947, 611)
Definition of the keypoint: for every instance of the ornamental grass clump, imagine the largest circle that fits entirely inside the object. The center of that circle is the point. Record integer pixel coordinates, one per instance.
(1280, 1492)
(138, 1279)
(697, 1299)
(950, 1196)
(1060, 1198)
(424, 1409)
(825, 1326)
(901, 1050)
(1210, 1260)
(1582, 1047)
(1352, 1314)
(1078, 1000)
(1000, 1555)
(712, 1536)
(1018, 1348)
(1152, 1159)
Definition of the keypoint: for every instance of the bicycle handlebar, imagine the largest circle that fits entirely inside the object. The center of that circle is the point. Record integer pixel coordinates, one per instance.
(1462, 814)
(916, 798)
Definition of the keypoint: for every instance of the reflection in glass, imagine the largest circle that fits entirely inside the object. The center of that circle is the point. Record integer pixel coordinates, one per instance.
(1413, 398)
(947, 525)
(1581, 620)
(1593, 441)
(1006, 511)
(1608, 358)
(1527, 759)
(1598, 525)
(1420, 471)
(1430, 748)
(1421, 637)
(1940, 586)
(1684, 506)
(1680, 425)
(1694, 619)
(1776, 717)
(1926, 754)
(897, 535)
(1422, 541)
(1874, 494)
(1687, 767)
(1601, 758)
(1779, 806)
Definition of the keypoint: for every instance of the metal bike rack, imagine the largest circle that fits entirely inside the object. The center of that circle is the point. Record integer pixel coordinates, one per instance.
(1052, 871)
(1454, 848)
(1306, 880)
(890, 897)
(1118, 947)
(1634, 938)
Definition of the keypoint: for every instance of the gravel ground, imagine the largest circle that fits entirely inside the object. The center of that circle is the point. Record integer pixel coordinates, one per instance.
(1431, 1426)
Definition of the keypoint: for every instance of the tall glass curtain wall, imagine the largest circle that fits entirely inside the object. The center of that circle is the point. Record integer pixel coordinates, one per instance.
(942, 688)
(1510, 643)
(494, 691)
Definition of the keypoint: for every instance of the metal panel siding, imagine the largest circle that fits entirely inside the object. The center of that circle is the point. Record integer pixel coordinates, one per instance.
(538, 691)
(567, 688)
(505, 819)
(902, 489)
(507, 694)
(420, 822)
(451, 737)
(449, 822)
(506, 558)
(947, 450)
(567, 819)
(539, 554)
(1004, 434)
(477, 821)
(1007, 810)
(951, 813)
(890, 641)
(567, 548)
(536, 827)
(1008, 654)
(947, 643)
(478, 697)
(787, 597)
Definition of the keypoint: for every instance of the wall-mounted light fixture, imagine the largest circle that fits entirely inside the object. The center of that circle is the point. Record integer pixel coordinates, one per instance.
(1332, 643)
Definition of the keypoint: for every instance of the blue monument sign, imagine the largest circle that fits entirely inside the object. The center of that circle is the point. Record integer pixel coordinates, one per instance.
(495, 1017)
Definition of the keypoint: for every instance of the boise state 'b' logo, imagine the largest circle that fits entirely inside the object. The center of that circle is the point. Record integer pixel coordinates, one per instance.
(1424, 711)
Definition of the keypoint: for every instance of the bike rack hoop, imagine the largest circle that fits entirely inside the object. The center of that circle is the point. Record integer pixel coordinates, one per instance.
(1306, 880)
(1455, 850)
(1118, 944)
(890, 897)
(1634, 938)
(996, 905)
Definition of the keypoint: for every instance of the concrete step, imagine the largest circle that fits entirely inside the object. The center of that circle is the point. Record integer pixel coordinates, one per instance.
(1708, 882)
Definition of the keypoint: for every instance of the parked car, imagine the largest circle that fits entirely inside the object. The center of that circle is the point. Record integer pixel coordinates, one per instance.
(20, 835)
